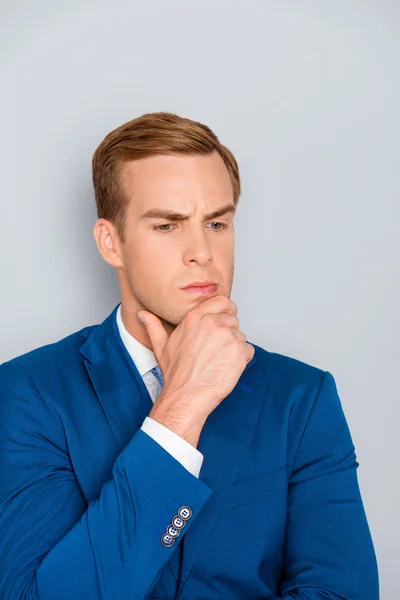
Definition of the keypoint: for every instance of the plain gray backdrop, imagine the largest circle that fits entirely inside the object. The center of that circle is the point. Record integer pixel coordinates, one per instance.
(307, 95)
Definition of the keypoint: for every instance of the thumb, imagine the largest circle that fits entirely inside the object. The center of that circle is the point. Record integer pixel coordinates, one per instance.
(155, 330)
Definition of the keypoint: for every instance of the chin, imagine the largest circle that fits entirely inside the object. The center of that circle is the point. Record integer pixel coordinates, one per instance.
(170, 320)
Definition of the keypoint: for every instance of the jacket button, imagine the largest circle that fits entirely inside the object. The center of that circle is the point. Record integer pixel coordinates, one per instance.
(178, 522)
(185, 512)
(173, 531)
(167, 540)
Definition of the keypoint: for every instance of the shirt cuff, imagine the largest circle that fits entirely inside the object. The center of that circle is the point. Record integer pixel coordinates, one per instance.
(173, 443)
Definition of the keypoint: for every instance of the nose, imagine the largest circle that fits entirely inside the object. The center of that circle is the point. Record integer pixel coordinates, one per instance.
(197, 247)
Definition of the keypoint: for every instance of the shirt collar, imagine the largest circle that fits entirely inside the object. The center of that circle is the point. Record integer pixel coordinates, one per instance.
(142, 356)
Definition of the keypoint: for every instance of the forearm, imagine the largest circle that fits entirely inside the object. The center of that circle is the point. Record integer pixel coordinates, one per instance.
(114, 549)
(173, 411)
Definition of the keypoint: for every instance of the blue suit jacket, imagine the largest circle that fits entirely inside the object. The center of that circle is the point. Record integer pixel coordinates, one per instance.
(85, 494)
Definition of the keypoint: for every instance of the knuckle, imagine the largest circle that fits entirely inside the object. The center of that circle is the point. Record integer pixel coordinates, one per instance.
(236, 321)
(227, 301)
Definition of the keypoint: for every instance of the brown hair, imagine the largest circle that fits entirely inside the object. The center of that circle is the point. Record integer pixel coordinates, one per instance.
(148, 135)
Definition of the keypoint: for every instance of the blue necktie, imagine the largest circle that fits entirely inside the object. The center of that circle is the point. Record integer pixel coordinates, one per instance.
(156, 371)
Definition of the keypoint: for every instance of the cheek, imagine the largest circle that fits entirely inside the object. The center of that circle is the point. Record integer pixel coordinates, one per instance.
(154, 247)
(150, 273)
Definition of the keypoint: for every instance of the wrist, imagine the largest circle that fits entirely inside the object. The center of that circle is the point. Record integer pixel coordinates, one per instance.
(179, 418)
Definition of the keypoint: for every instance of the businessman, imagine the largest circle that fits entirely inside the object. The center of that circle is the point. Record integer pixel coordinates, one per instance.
(160, 455)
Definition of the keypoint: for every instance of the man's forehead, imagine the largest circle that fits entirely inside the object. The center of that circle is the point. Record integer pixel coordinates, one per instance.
(182, 188)
(178, 167)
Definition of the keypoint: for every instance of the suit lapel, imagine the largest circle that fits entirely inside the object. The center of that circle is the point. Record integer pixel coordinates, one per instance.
(116, 380)
(223, 441)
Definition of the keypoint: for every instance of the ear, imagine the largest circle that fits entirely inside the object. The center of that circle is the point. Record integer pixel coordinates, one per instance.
(108, 242)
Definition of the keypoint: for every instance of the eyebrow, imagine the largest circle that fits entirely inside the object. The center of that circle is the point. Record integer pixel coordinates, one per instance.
(172, 215)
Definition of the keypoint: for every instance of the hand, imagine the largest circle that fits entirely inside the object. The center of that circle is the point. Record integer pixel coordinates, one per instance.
(201, 361)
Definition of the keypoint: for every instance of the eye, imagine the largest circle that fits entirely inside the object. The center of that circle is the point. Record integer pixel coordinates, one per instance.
(223, 226)
(160, 228)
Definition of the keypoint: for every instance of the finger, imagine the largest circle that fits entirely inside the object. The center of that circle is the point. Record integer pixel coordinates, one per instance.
(216, 304)
(156, 332)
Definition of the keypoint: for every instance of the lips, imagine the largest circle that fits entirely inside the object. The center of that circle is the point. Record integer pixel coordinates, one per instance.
(201, 289)
(199, 284)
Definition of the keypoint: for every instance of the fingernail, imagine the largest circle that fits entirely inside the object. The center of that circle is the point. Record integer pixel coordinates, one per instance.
(141, 318)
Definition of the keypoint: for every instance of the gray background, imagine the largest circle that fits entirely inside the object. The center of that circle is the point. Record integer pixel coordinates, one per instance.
(307, 95)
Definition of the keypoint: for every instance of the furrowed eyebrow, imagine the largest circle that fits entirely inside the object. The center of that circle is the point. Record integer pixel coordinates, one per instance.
(172, 215)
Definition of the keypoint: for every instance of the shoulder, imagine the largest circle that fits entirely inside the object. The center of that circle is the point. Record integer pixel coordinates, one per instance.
(288, 371)
(294, 387)
(47, 358)
(39, 382)
(300, 397)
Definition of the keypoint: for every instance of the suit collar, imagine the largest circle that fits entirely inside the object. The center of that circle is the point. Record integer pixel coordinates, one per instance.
(116, 380)
(142, 356)
(94, 349)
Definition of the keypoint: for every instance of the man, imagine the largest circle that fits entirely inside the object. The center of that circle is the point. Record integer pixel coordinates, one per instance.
(168, 457)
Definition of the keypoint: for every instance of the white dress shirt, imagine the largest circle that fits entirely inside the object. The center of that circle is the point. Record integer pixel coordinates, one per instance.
(173, 443)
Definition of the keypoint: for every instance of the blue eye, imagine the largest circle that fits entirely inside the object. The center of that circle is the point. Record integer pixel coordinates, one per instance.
(223, 225)
(165, 231)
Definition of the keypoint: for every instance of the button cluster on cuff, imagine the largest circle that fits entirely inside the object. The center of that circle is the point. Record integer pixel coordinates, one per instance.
(174, 528)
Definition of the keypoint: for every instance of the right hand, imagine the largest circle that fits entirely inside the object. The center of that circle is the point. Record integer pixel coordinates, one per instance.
(203, 358)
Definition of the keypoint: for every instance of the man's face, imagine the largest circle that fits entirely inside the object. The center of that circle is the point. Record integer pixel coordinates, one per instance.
(161, 255)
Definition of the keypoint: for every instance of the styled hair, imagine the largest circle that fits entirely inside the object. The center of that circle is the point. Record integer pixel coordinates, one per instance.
(149, 135)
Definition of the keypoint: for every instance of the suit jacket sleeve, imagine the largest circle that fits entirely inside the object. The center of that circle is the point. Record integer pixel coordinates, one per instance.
(173, 443)
(329, 552)
(55, 545)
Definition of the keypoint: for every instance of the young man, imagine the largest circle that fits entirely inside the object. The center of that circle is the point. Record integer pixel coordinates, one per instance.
(169, 458)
